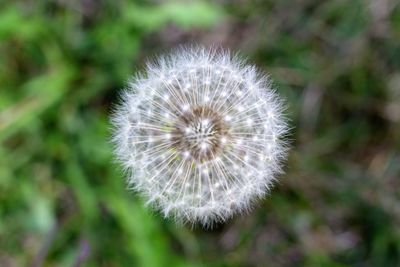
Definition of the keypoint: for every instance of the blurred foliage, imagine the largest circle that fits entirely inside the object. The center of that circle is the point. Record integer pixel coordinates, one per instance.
(63, 200)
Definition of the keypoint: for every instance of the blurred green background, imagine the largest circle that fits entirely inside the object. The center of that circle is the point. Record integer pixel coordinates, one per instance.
(63, 200)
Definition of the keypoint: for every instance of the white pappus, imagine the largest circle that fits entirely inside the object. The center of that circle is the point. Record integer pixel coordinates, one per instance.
(200, 134)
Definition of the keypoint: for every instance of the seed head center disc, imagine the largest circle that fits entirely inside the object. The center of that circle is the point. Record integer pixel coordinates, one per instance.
(200, 133)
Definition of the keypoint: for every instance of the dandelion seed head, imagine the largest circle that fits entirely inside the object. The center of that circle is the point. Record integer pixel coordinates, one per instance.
(201, 135)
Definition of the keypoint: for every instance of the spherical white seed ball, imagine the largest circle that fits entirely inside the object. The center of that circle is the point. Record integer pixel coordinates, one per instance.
(200, 134)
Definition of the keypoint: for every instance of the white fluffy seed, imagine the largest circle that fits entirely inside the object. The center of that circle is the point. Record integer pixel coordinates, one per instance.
(192, 166)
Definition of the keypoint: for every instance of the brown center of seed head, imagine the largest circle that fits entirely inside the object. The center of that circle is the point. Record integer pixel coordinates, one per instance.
(200, 134)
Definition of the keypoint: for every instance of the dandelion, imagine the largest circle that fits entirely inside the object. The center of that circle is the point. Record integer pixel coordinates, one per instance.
(200, 135)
